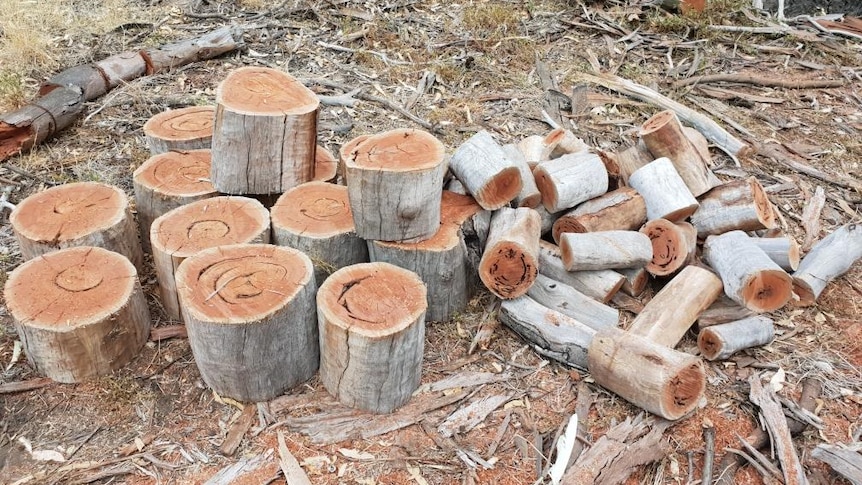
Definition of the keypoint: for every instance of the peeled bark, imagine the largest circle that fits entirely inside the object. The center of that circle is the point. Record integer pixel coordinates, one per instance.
(605, 250)
(664, 191)
(784, 251)
(719, 342)
(674, 245)
(739, 205)
(664, 137)
(489, 176)
(563, 298)
(510, 262)
(570, 180)
(600, 285)
(623, 210)
(180, 129)
(827, 260)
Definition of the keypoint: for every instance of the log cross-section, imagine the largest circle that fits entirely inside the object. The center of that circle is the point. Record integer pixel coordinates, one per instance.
(188, 128)
(488, 175)
(739, 205)
(510, 262)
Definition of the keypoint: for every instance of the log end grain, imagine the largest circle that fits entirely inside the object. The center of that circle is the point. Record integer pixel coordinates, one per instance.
(684, 390)
(767, 290)
(180, 129)
(184, 174)
(315, 210)
(500, 189)
(510, 263)
(803, 294)
(265, 91)
(400, 150)
(673, 245)
(325, 165)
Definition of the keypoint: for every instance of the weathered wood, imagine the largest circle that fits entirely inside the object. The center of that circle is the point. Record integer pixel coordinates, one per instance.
(615, 178)
(570, 180)
(510, 262)
(631, 159)
(188, 128)
(784, 251)
(622, 209)
(348, 152)
(723, 310)
(39, 120)
(24, 386)
(844, 461)
(674, 245)
(290, 467)
(465, 419)
(663, 190)
(664, 137)
(738, 205)
(207, 46)
(569, 301)
(827, 260)
(776, 424)
(605, 250)
(79, 312)
(600, 285)
(719, 342)
(87, 77)
(564, 142)
(237, 430)
(529, 196)
(548, 218)
(489, 176)
(122, 68)
(636, 280)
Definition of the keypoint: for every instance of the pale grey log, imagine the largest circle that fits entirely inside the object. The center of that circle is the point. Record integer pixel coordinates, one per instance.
(600, 285)
(569, 301)
(564, 142)
(738, 205)
(478, 163)
(665, 193)
(719, 342)
(328, 253)
(455, 185)
(605, 250)
(784, 251)
(636, 280)
(529, 195)
(827, 260)
(548, 218)
(570, 180)
(534, 149)
(844, 461)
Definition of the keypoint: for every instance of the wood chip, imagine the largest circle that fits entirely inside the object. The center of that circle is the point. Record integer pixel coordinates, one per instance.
(293, 473)
(238, 429)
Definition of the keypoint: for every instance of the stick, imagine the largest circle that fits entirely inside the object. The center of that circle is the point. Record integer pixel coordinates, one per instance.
(772, 82)
(776, 424)
(293, 473)
(709, 454)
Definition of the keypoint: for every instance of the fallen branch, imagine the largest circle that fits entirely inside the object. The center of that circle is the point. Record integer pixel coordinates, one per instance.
(772, 82)
(778, 154)
(23, 386)
(845, 462)
(776, 425)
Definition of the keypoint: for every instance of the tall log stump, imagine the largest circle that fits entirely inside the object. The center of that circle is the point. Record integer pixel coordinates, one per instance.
(739, 205)
(265, 132)
(180, 129)
(188, 230)
(664, 137)
(79, 312)
(372, 334)
(510, 262)
(251, 318)
(488, 174)
(167, 181)
(78, 214)
(394, 181)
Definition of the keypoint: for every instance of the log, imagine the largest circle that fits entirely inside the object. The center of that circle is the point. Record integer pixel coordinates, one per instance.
(719, 342)
(739, 205)
(631, 159)
(207, 46)
(615, 178)
(605, 250)
(39, 120)
(79, 312)
(599, 285)
(664, 138)
(622, 209)
(564, 142)
(456, 187)
(673, 310)
(534, 150)
(564, 299)
(394, 181)
(649, 375)
(87, 77)
(315, 218)
(784, 251)
(548, 219)
(346, 152)
(265, 132)
(509, 264)
(250, 307)
(772, 415)
(122, 68)
(372, 331)
(674, 245)
(188, 128)
(529, 196)
(76, 214)
(750, 278)
(325, 165)
(570, 180)
(663, 190)
(189, 229)
(828, 259)
(701, 144)
(167, 181)
(489, 176)
(844, 461)
(636, 281)
(722, 310)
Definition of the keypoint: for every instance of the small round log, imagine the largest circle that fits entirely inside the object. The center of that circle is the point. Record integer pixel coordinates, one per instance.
(784, 251)
(663, 191)
(599, 285)
(570, 180)
(189, 229)
(605, 250)
(180, 129)
(674, 245)
(564, 142)
(739, 205)
(622, 209)
(489, 176)
(79, 312)
(325, 165)
(664, 137)
(251, 318)
(563, 298)
(719, 342)
(636, 281)
(510, 262)
(529, 196)
(827, 260)
(372, 332)
(77, 214)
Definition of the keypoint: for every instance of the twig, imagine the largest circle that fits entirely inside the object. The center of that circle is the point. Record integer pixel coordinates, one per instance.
(27, 174)
(709, 453)
(773, 82)
(171, 331)
(23, 386)
(347, 99)
(752, 30)
(779, 155)
(750, 460)
(767, 465)
(4, 199)
(383, 57)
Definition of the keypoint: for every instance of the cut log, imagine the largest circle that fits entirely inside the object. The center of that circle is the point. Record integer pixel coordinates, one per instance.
(700, 143)
(79, 312)
(739, 205)
(456, 187)
(315, 218)
(207, 46)
(673, 310)
(489, 176)
(180, 129)
(548, 219)
(167, 181)
(674, 245)
(529, 196)
(723, 310)
(636, 280)
(605, 250)
(750, 278)
(564, 142)
(784, 251)
(265, 132)
(122, 68)
(87, 77)
(510, 262)
(828, 259)
(534, 150)
(325, 165)
(631, 159)
(346, 152)
(77, 214)
(663, 190)
(553, 334)
(189, 229)
(599, 285)
(623, 209)
(570, 180)
(719, 342)
(664, 137)
(39, 120)
(615, 178)
(250, 307)
(394, 181)
(563, 298)
(372, 332)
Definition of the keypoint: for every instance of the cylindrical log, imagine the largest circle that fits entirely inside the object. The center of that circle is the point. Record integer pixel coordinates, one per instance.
(564, 142)
(180, 129)
(664, 137)
(673, 310)
(122, 68)
(315, 218)
(181, 53)
(605, 250)
(482, 166)
(722, 310)
(663, 191)
(529, 196)
(571, 179)
(76, 214)
(599, 285)
(535, 150)
(651, 376)
(394, 181)
(719, 342)
(189, 229)
(456, 187)
(631, 159)
(674, 245)
(700, 143)
(265, 132)
(636, 280)
(548, 219)
(347, 152)
(623, 209)
(325, 165)
(39, 120)
(750, 278)
(510, 262)
(784, 251)
(251, 318)
(828, 259)
(615, 179)
(86, 76)
(79, 312)
(739, 205)
(563, 298)
(372, 334)
(167, 181)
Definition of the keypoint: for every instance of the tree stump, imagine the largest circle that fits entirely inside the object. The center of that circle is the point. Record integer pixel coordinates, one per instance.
(315, 218)
(489, 176)
(599, 285)
(394, 181)
(674, 245)
(167, 181)
(188, 230)
(265, 132)
(621, 210)
(77, 214)
(510, 262)
(372, 334)
(784, 251)
(591, 251)
(663, 135)
(571, 179)
(325, 165)
(346, 152)
(827, 260)
(719, 342)
(251, 318)
(663, 190)
(739, 205)
(79, 312)
(180, 129)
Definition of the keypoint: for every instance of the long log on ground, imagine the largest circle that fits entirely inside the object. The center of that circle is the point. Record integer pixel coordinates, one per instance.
(569, 301)
(529, 196)
(622, 209)
(784, 251)
(510, 262)
(664, 191)
(723, 310)
(775, 422)
(489, 176)
(636, 280)
(719, 342)
(599, 285)
(250, 306)
(844, 461)
(372, 331)
(570, 180)
(738, 205)
(591, 251)
(76, 214)
(79, 312)
(207, 46)
(664, 137)
(39, 120)
(180, 129)
(828, 259)
(674, 245)
(631, 159)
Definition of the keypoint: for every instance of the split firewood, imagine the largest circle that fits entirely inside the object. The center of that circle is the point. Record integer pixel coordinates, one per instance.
(631, 159)
(489, 176)
(811, 217)
(599, 285)
(570, 180)
(664, 137)
(738, 205)
(534, 149)
(622, 209)
(674, 245)
(564, 142)
(775, 422)
(80, 312)
(325, 165)
(719, 342)
(664, 191)
(844, 461)
(784, 251)
(723, 310)
(828, 259)
(180, 129)
(569, 301)
(605, 250)
(529, 196)
(510, 262)
(636, 280)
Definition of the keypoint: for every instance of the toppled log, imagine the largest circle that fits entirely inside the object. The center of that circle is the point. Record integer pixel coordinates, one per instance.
(207, 46)
(570, 180)
(80, 312)
(784, 251)
(325, 165)
(739, 205)
(674, 245)
(605, 250)
(664, 191)
(719, 342)
(723, 310)
(489, 176)
(564, 142)
(569, 301)
(664, 137)
(529, 196)
(631, 159)
(845, 462)
(776, 424)
(510, 262)
(599, 285)
(188, 128)
(636, 280)
(622, 209)
(827, 260)
(39, 120)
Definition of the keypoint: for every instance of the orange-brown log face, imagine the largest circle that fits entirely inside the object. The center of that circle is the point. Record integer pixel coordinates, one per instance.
(507, 271)
(567, 224)
(709, 343)
(761, 202)
(179, 174)
(314, 209)
(398, 150)
(190, 123)
(667, 253)
(265, 91)
(502, 188)
(685, 390)
(14, 139)
(68, 212)
(657, 122)
(325, 165)
(767, 291)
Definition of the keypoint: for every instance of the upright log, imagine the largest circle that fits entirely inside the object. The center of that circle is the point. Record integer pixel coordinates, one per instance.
(489, 176)
(529, 196)
(346, 152)
(620, 210)
(664, 137)
(605, 250)
(600, 285)
(510, 262)
(563, 298)
(719, 342)
(570, 180)
(188, 128)
(827, 260)
(674, 245)
(663, 191)
(784, 251)
(739, 205)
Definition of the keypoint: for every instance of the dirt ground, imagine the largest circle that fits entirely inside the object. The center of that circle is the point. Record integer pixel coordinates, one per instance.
(155, 421)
